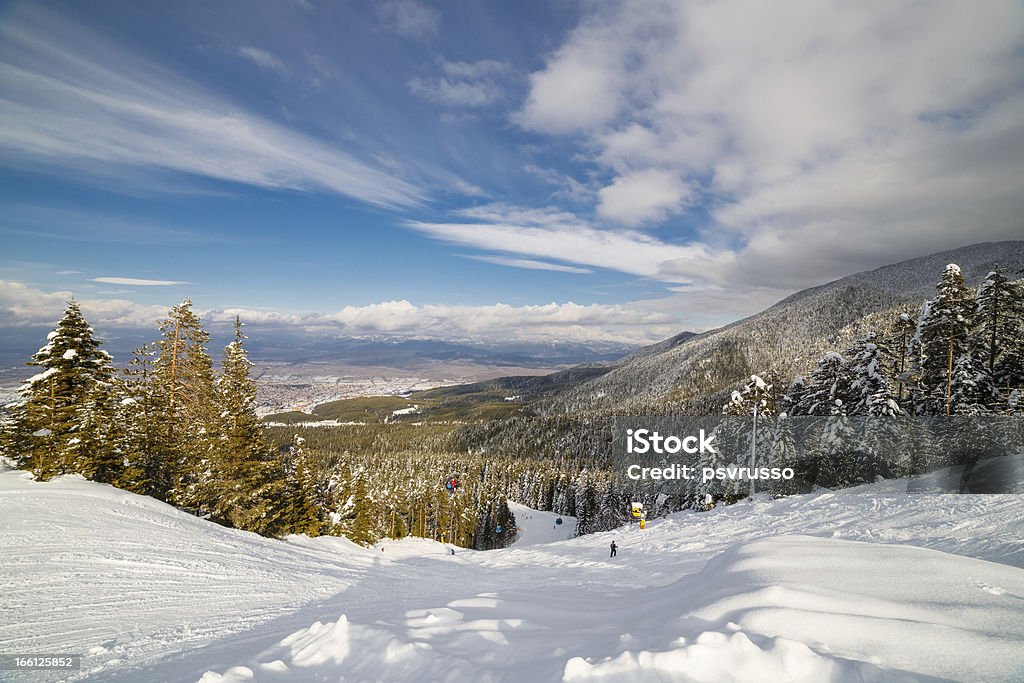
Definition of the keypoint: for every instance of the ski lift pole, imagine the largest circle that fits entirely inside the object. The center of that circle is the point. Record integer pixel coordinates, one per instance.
(753, 450)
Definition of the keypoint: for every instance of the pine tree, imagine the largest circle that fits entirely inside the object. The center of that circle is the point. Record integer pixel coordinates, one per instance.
(298, 511)
(784, 454)
(142, 439)
(794, 395)
(361, 530)
(999, 331)
(185, 381)
(871, 389)
(829, 389)
(757, 392)
(63, 420)
(902, 334)
(245, 485)
(586, 505)
(943, 336)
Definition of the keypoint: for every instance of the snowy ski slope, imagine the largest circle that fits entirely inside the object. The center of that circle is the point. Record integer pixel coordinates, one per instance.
(873, 587)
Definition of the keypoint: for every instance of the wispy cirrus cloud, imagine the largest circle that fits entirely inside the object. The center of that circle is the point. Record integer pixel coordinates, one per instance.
(138, 282)
(53, 223)
(529, 264)
(554, 234)
(262, 58)
(74, 100)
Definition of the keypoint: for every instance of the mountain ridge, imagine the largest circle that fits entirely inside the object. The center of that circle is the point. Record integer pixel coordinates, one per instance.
(696, 372)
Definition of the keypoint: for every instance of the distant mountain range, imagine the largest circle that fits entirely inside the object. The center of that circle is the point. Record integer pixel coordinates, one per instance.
(378, 355)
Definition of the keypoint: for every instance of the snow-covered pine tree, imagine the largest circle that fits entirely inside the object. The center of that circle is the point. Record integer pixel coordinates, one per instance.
(875, 402)
(900, 341)
(759, 391)
(871, 387)
(784, 454)
(828, 389)
(943, 336)
(612, 509)
(62, 423)
(839, 452)
(586, 504)
(185, 380)
(972, 390)
(999, 332)
(142, 438)
(794, 395)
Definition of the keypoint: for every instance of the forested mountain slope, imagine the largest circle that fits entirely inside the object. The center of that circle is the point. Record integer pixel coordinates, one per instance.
(695, 374)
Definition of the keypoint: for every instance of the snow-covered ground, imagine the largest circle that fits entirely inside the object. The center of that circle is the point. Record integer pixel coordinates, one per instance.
(869, 587)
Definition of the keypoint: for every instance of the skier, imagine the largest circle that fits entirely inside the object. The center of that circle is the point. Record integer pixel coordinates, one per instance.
(614, 548)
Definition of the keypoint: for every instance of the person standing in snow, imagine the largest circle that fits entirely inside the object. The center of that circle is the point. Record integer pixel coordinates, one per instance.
(614, 548)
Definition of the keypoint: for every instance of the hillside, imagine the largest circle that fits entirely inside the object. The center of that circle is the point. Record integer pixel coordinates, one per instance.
(817, 587)
(697, 372)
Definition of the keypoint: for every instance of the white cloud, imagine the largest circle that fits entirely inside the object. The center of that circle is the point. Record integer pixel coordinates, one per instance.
(410, 18)
(472, 70)
(581, 85)
(553, 321)
(73, 100)
(22, 305)
(262, 58)
(546, 322)
(456, 93)
(823, 138)
(642, 197)
(559, 235)
(464, 84)
(529, 264)
(137, 282)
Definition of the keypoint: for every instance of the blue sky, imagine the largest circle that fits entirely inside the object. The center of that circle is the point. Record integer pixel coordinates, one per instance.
(597, 171)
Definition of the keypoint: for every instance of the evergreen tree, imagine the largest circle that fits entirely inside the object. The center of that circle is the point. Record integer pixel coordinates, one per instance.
(784, 454)
(361, 529)
(944, 336)
(142, 439)
(759, 392)
(794, 395)
(243, 484)
(185, 381)
(586, 505)
(63, 422)
(829, 388)
(296, 512)
(999, 332)
(902, 335)
(871, 389)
